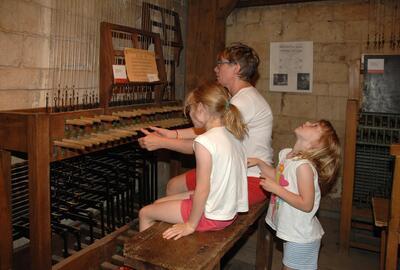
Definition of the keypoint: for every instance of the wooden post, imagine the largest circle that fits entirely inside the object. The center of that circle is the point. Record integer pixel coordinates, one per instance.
(394, 214)
(39, 191)
(354, 80)
(265, 246)
(6, 246)
(205, 38)
(349, 158)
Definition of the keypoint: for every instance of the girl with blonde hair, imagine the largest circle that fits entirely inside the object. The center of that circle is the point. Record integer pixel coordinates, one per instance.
(296, 184)
(221, 186)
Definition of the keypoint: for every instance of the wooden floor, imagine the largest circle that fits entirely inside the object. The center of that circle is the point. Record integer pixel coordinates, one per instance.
(330, 258)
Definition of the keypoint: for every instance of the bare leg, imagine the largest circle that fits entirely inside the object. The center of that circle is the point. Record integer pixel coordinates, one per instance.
(180, 196)
(177, 185)
(167, 209)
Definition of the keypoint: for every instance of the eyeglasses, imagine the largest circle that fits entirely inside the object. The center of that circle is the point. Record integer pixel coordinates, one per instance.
(220, 62)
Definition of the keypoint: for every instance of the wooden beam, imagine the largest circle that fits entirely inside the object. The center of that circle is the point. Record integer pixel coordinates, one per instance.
(254, 3)
(12, 131)
(394, 217)
(205, 38)
(349, 158)
(354, 80)
(39, 191)
(6, 245)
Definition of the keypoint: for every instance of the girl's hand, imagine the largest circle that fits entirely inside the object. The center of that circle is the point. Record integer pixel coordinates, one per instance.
(178, 230)
(252, 162)
(268, 184)
(152, 141)
(155, 140)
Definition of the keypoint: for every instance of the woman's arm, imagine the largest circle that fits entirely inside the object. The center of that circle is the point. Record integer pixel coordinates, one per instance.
(188, 133)
(177, 140)
(200, 195)
(303, 201)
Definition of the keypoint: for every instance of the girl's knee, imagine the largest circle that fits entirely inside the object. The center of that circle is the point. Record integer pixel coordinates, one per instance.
(172, 186)
(176, 185)
(144, 212)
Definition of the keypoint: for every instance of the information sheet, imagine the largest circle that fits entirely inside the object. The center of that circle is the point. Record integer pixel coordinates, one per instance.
(291, 66)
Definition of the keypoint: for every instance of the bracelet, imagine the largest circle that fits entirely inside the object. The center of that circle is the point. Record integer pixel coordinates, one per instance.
(177, 134)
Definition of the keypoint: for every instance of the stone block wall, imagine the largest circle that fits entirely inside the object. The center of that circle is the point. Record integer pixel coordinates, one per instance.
(24, 52)
(28, 56)
(338, 30)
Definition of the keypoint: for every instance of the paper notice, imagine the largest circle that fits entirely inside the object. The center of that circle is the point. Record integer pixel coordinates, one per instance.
(376, 66)
(119, 73)
(141, 65)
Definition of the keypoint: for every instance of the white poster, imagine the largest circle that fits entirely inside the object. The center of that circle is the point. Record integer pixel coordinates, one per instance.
(291, 66)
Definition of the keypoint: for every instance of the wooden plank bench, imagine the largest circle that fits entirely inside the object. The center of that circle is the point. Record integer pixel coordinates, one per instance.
(148, 250)
(380, 209)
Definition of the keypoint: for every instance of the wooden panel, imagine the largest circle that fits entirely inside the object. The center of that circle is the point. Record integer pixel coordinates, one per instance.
(394, 221)
(349, 156)
(93, 255)
(380, 208)
(6, 248)
(395, 150)
(354, 80)
(39, 191)
(204, 40)
(253, 3)
(265, 247)
(13, 131)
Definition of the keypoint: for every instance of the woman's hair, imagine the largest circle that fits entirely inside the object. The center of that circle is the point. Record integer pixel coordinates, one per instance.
(325, 158)
(243, 55)
(216, 98)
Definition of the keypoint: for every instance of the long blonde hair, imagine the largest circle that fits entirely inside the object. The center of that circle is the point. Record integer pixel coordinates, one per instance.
(217, 99)
(325, 158)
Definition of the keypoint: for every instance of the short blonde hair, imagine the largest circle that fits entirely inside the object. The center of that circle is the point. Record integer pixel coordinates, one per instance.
(217, 99)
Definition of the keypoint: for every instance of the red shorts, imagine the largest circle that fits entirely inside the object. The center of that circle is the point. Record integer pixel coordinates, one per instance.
(256, 192)
(205, 224)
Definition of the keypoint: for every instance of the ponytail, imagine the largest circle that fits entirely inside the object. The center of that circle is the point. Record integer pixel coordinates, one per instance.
(233, 121)
(216, 98)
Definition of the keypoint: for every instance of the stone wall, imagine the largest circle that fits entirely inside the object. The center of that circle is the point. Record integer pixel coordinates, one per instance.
(30, 62)
(339, 32)
(24, 52)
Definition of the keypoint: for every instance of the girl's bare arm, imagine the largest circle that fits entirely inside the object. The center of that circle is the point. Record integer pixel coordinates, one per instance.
(303, 201)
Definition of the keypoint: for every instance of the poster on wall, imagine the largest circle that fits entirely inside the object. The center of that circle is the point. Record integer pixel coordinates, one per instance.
(291, 66)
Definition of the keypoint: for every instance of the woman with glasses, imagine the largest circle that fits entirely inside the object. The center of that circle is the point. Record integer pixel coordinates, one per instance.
(235, 69)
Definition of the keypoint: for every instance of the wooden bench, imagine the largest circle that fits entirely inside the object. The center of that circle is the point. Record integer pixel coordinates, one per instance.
(387, 217)
(148, 250)
(380, 209)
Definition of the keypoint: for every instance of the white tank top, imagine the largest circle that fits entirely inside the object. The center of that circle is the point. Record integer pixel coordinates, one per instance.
(290, 223)
(228, 181)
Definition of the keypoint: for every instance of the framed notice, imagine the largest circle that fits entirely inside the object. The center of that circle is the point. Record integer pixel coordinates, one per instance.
(291, 66)
(381, 84)
(141, 65)
(119, 73)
